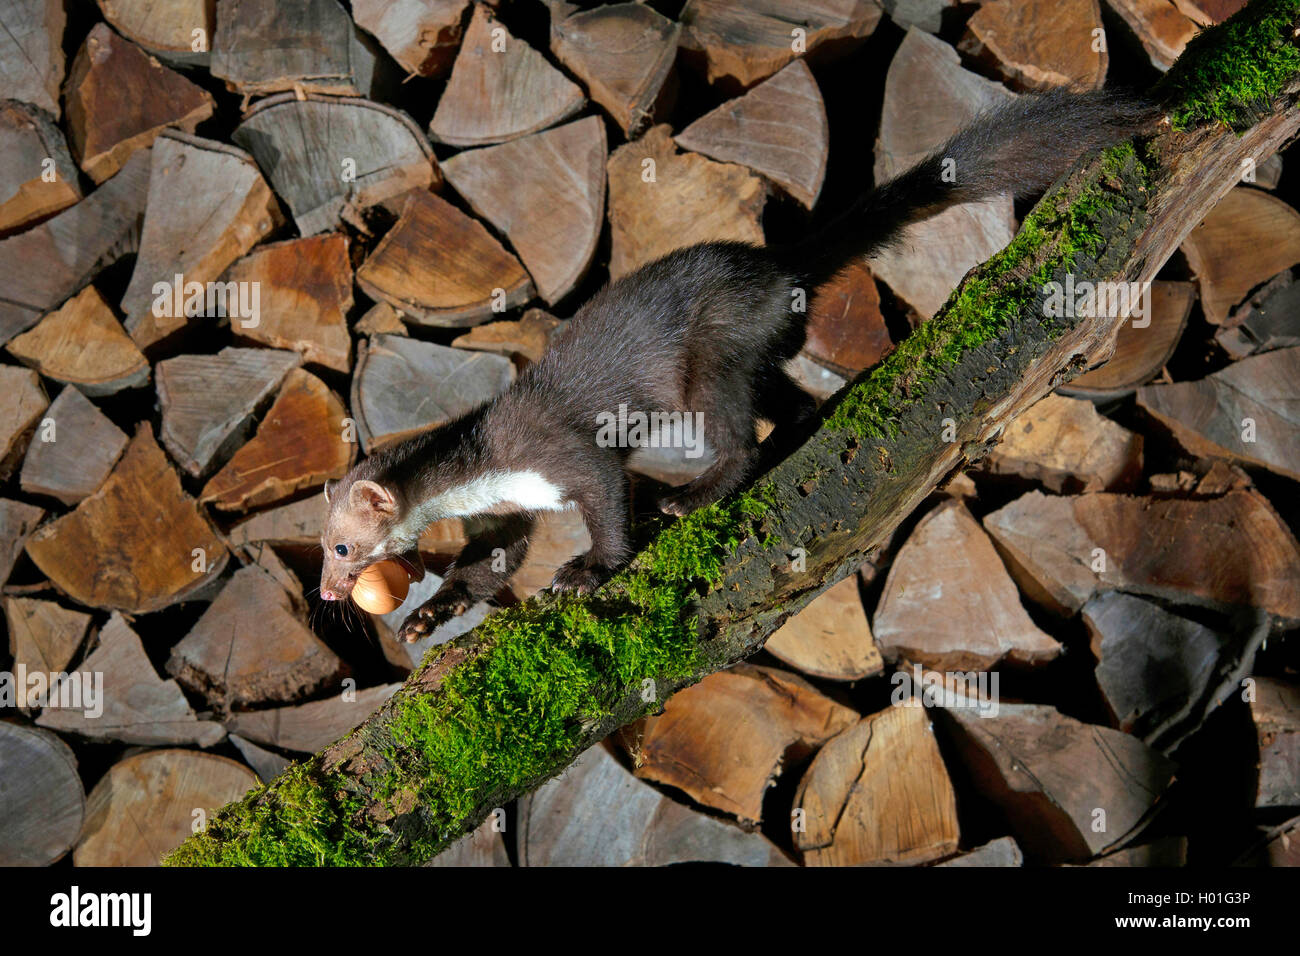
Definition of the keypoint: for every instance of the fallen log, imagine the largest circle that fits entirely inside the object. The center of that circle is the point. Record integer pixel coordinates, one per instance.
(494, 713)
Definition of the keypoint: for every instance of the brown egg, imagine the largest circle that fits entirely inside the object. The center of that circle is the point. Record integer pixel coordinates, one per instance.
(381, 587)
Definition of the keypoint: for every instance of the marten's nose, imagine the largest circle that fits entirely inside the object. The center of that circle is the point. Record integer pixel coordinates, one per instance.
(329, 594)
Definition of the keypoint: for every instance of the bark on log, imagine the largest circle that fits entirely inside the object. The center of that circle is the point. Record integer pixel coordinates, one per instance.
(496, 712)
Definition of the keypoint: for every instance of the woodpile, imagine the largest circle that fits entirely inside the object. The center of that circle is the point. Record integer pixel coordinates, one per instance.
(244, 245)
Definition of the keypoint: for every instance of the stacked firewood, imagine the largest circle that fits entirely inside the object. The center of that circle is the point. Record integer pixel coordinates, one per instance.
(243, 245)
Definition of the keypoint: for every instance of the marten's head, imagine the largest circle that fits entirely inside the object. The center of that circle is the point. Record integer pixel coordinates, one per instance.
(364, 526)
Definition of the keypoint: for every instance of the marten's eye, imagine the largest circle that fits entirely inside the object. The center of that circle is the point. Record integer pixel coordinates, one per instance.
(341, 550)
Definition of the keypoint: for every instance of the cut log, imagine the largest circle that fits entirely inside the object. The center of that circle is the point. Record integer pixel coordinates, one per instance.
(421, 35)
(1000, 852)
(17, 521)
(177, 31)
(500, 89)
(208, 205)
(31, 52)
(208, 401)
(39, 178)
(778, 129)
(75, 451)
(119, 100)
(1170, 851)
(83, 344)
(724, 740)
(744, 41)
(830, 638)
(846, 329)
(1160, 674)
(44, 803)
(308, 727)
(925, 15)
(878, 793)
(624, 55)
(1068, 790)
(1279, 846)
(928, 97)
(1248, 238)
(137, 544)
(43, 636)
(41, 267)
(815, 379)
(440, 267)
(402, 386)
(1162, 30)
(305, 292)
(1248, 412)
(380, 319)
(1209, 12)
(1040, 44)
(1270, 319)
(300, 444)
(598, 814)
(950, 605)
(1275, 711)
(557, 536)
(483, 847)
(22, 404)
(267, 46)
(328, 157)
(560, 170)
(267, 764)
(132, 705)
(525, 339)
(1221, 553)
(1140, 352)
(1067, 447)
(251, 647)
(145, 805)
(660, 200)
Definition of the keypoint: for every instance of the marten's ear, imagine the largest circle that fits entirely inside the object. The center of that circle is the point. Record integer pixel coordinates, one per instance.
(372, 496)
(330, 485)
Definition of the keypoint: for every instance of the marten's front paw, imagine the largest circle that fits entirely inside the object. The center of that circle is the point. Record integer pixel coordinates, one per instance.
(576, 575)
(685, 500)
(432, 614)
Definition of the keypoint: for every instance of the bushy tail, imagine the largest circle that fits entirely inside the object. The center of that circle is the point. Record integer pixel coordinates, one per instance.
(1020, 148)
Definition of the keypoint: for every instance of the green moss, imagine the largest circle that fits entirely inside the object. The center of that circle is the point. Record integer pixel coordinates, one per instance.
(1231, 72)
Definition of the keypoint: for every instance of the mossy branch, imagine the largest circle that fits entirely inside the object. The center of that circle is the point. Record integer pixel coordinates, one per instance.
(501, 709)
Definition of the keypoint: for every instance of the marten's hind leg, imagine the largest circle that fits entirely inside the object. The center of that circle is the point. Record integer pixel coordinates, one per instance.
(726, 404)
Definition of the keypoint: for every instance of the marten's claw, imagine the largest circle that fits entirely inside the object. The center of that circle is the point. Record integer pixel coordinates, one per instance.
(575, 575)
(430, 616)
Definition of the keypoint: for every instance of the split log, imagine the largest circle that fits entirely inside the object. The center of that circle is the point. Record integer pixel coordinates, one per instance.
(380, 319)
(43, 636)
(1067, 447)
(660, 200)
(17, 521)
(421, 35)
(44, 801)
(1278, 846)
(208, 205)
(39, 178)
(1171, 851)
(328, 157)
(145, 805)
(138, 707)
(743, 41)
(598, 814)
(878, 793)
(525, 339)
(500, 89)
(1140, 353)
(830, 638)
(1209, 12)
(73, 455)
(22, 404)
(1221, 553)
(483, 847)
(557, 536)
(1068, 790)
(137, 544)
(83, 344)
(778, 129)
(301, 442)
(1269, 319)
(268, 46)
(1039, 44)
(177, 31)
(119, 100)
(305, 292)
(308, 727)
(31, 52)
(208, 401)
(1000, 852)
(440, 267)
(1275, 711)
(1248, 238)
(928, 97)
(403, 386)
(440, 754)
(1248, 412)
(252, 647)
(723, 741)
(267, 764)
(950, 605)
(561, 170)
(925, 15)
(624, 54)
(1162, 30)
(846, 329)
(41, 267)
